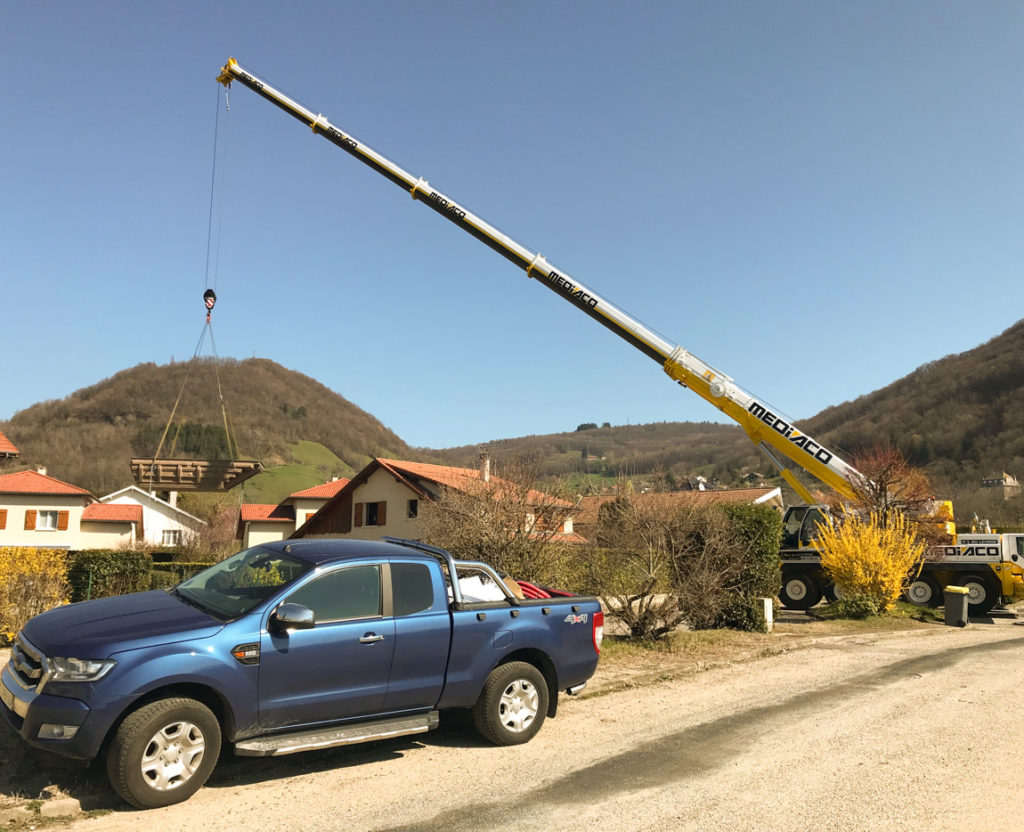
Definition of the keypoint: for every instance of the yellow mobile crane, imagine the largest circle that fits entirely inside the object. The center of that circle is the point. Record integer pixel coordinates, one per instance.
(786, 446)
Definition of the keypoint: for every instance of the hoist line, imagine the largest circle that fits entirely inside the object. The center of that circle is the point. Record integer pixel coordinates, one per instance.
(177, 401)
(213, 192)
(228, 433)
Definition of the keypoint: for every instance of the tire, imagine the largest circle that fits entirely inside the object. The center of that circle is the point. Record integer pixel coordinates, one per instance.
(981, 594)
(924, 592)
(832, 593)
(163, 752)
(800, 591)
(513, 704)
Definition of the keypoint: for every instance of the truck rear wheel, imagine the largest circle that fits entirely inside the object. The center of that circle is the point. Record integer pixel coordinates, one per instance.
(163, 752)
(512, 705)
(800, 591)
(981, 594)
(923, 591)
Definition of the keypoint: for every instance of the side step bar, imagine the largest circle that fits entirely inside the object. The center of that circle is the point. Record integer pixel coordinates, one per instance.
(279, 744)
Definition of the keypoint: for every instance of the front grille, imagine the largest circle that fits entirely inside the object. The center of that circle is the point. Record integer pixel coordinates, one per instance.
(27, 664)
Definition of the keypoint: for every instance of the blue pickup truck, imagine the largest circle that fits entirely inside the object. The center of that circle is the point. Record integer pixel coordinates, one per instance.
(287, 647)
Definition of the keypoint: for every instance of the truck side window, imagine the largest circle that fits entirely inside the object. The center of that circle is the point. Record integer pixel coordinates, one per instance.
(1020, 546)
(791, 535)
(810, 530)
(352, 592)
(412, 588)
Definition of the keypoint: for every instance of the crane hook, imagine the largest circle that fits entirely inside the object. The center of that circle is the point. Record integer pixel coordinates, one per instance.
(209, 298)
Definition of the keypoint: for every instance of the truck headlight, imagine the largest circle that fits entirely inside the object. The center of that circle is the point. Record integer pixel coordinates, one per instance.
(78, 670)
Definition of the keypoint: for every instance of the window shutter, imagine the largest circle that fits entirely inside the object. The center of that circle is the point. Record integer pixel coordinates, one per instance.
(62, 521)
(3, 518)
(358, 514)
(382, 513)
(30, 519)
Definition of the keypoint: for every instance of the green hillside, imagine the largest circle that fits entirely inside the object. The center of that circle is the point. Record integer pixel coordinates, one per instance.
(279, 416)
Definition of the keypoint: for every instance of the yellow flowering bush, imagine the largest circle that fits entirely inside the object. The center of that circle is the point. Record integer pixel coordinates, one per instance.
(32, 580)
(870, 562)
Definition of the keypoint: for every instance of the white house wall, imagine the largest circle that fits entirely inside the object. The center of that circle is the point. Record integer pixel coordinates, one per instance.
(257, 533)
(14, 532)
(381, 486)
(106, 535)
(157, 517)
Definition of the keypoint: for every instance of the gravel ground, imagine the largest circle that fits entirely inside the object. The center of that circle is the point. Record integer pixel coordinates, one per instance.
(895, 731)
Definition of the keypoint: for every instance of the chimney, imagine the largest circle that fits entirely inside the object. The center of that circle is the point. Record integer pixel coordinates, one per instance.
(485, 467)
(41, 469)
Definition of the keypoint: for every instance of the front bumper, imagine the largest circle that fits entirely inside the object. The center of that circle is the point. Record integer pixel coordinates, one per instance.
(27, 712)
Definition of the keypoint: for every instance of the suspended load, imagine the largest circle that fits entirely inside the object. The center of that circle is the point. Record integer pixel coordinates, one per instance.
(174, 473)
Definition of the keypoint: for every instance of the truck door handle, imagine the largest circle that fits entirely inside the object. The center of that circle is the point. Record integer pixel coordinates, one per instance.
(370, 638)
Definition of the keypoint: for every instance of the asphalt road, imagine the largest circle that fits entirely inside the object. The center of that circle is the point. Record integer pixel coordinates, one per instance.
(904, 731)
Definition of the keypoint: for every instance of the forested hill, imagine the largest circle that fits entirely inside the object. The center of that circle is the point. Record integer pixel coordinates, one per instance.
(961, 418)
(88, 437)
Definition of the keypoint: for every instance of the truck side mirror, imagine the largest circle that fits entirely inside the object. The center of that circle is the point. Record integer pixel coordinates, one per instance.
(292, 617)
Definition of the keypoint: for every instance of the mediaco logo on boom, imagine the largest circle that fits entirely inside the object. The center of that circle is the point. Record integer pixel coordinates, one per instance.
(572, 290)
(786, 430)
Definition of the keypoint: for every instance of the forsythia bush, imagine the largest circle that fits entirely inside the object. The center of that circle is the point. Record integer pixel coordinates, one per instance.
(31, 581)
(869, 563)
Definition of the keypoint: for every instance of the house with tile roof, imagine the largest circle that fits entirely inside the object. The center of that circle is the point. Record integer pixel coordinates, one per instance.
(263, 522)
(668, 503)
(384, 499)
(42, 511)
(160, 523)
(7, 449)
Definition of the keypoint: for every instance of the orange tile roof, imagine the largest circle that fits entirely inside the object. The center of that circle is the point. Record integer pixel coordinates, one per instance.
(32, 482)
(461, 479)
(7, 446)
(113, 513)
(323, 491)
(667, 501)
(266, 513)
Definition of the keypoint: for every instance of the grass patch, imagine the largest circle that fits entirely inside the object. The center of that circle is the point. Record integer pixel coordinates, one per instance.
(899, 617)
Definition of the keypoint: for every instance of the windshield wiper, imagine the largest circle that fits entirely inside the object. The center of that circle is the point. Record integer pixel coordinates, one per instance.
(192, 602)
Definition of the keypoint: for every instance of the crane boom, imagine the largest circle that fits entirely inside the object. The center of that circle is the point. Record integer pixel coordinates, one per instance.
(784, 444)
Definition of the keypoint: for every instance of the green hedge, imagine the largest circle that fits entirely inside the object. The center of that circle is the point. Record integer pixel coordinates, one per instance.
(100, 573)
(171, 573)
(760, 529)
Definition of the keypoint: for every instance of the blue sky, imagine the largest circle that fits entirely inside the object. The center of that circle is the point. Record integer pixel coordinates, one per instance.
(815, 197)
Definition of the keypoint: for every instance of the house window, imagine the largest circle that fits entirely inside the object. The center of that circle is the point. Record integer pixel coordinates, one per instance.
(170, 537)
(46, 521)
(413, 509)
(370, 514)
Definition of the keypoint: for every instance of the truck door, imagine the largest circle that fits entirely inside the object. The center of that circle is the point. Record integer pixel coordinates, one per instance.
(423, 630)
(340, 667)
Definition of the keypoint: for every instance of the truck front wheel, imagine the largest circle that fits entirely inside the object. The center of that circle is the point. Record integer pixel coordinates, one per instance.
(512, 705)
(799, 591)
(163, 752)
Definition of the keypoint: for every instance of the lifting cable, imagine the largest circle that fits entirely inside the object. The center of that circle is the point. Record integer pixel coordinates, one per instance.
(209, 300)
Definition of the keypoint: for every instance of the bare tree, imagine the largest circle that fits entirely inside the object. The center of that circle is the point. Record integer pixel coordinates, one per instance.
(506, 521)
(656, 564)
(891, 485)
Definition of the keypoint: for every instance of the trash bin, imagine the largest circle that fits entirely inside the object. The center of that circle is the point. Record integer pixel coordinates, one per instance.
(956, 606)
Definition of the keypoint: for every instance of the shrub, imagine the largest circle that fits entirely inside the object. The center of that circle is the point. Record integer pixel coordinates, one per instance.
(870, 563)
(759, 529)
(32, 580)
(100, 573)
(656, 565)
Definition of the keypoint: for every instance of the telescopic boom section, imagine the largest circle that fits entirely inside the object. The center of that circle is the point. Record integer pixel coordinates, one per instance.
(784, 444)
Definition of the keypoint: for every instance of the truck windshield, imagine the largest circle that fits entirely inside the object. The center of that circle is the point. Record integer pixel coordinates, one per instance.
(234, 586)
